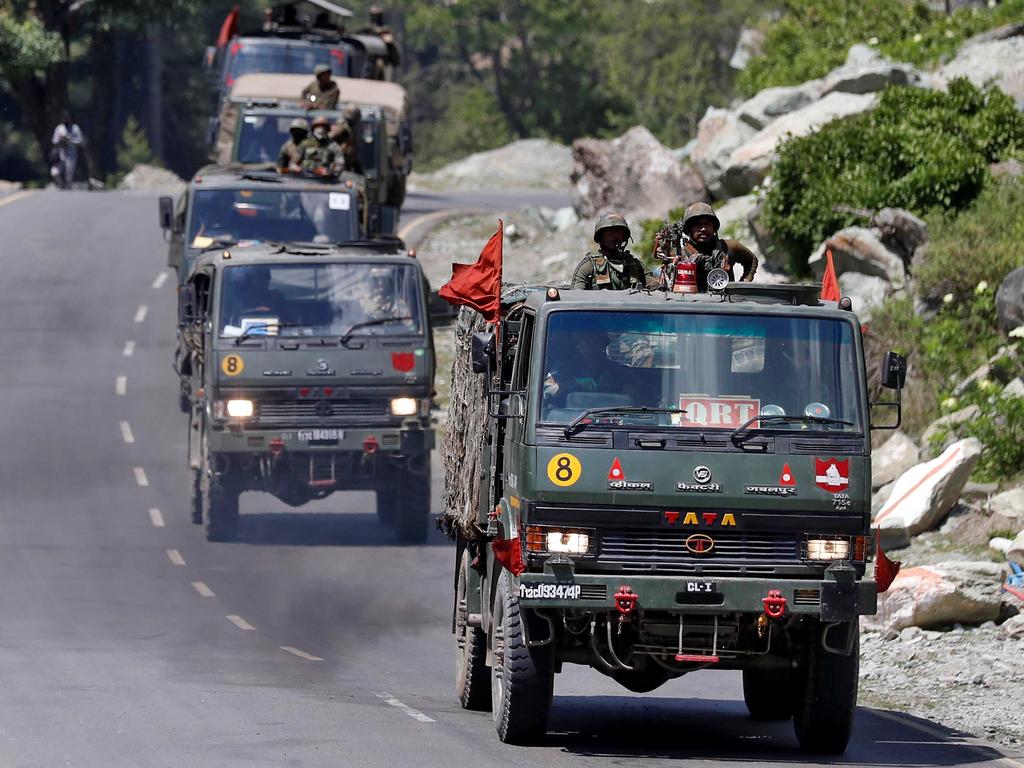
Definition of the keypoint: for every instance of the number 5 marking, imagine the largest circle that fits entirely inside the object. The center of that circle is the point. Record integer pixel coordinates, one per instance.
(564, 469)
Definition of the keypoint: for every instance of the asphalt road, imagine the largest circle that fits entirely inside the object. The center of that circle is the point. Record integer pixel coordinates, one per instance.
(128, 640)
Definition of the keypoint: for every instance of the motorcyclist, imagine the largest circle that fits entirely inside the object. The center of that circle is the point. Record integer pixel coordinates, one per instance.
(67, 138)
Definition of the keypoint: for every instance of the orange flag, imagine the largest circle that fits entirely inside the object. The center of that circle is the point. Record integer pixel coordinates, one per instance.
(885, 569)
(229, 28)
(479, 285)
(829, 282)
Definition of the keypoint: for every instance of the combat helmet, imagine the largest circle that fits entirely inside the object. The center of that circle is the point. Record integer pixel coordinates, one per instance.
(322, 69)
(699, 211)
(320, 120)
(609, 221)
(299, 124)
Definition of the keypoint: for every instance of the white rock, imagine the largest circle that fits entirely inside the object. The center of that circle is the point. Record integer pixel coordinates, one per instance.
(948, 423)
(894, 457)
(979, 373)
(963, 592)
(149, 178)
(925, 493)
(1001, 61)
(524, 164)
(1000, 544)
(750, 43)
(564, 219)
(772, 103)
(856, 249)
(1015, 552)
(1013, 627)
(865, 291)
(719, 133)
(867, 71)
(1014, 389)
(1008, 504)
(749, 163)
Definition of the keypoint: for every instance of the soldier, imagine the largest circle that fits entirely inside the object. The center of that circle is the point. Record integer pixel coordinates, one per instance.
(709, 251)
(289, 159)
(612, 266)
(318, 153)
(344, 132)
(323, 92)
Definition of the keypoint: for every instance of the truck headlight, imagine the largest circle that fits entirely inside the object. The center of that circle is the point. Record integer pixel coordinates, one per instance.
(827, 549)
(404, 406)
(561, 541)
(239, 409)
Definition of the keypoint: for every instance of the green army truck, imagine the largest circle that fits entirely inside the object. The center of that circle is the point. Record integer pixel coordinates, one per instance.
(652, 484)
(310, 370)
(227, 205)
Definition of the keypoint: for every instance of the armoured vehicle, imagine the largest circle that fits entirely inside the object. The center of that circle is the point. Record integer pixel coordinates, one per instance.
(662, 483)
(226, 205)
(311, 370)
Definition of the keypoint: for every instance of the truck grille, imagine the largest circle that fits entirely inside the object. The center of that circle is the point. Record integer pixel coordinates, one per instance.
(666, 550)
(319, 413)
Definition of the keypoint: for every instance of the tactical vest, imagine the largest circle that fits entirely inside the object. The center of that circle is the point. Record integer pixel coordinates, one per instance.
(601, 273)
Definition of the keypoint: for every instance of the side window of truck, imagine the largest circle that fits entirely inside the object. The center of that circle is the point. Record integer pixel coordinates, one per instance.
(521, 372)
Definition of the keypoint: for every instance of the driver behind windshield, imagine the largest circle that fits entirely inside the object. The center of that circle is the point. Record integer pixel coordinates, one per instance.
(579, 362)
(249, 295)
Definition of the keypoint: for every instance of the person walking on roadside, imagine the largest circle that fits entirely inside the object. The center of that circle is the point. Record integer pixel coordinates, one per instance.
(67, 138)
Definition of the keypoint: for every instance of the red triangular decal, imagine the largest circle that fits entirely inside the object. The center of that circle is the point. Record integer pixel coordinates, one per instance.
(616, 473)
(786, 478)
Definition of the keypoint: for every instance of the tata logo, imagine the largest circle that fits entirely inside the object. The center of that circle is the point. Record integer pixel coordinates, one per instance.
(700, 544)
(707, 519)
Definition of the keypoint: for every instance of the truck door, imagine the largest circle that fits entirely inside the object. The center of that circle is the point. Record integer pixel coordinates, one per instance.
(516, 403)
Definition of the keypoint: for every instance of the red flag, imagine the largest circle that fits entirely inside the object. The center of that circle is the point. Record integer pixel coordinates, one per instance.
(829, 282)
(479, 285)
(885, 569)
(509, 552)
(229, 28)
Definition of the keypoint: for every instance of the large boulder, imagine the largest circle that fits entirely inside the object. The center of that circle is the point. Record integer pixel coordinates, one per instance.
(719, 133)
(960, 592)
(856, 249)
(865, 291)
(949, 424)
(1009, 504)
(925, 493)
(902, 232)
(1015, 552)
(772, 103)
(997, 56)
(1010, 300)
(150, 178)
(894, 457)
(633, 173)
(867, 71)
(748, 165)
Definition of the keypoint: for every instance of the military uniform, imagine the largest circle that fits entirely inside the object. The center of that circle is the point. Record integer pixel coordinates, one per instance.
(321, 98)
(314, 154)
(289, 155)
(722, 254)
(611, 268)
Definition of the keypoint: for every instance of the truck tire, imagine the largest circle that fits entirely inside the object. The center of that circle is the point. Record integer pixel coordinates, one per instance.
(472, 678)
(412, 514)
(826, 697)
(195, 502)
(768, 693)
(522, 678)
(220, 504)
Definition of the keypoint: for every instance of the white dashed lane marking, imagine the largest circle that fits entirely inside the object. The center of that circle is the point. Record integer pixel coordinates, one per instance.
(175, 557)
(140, 477)
(241, 623)
(202, 589)
(121, 385)
(300, 654)
(140, 313)
(160, 280)
(126, 433)
(129, 348)
(415, 714)
(156, 518)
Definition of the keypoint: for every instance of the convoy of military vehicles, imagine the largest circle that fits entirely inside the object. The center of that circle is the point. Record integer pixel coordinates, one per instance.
(645, 483)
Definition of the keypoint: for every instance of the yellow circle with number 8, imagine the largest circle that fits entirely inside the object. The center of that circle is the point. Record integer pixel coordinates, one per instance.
(564, 469)
(232, 365)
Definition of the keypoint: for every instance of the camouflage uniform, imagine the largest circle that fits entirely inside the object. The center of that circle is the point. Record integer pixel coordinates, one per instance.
(610, 269)
(315, 154)
(290, 156)
(317, 97)
(723, 254)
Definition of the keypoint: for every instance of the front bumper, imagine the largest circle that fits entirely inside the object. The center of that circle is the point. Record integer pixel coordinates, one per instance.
(406, 440)
(826, 599)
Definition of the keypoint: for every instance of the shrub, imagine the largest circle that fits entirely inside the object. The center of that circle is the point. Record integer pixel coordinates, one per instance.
(919, 149)
(133, 149)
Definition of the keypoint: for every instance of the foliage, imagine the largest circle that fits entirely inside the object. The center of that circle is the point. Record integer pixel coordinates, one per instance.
(471, 122)
(25, 44)
(814, 36)
(133, 148)
(918, 149)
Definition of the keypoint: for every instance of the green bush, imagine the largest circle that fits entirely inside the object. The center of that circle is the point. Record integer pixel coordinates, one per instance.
(814, 36)
(133, 149)
(919, 149)
(472, 122)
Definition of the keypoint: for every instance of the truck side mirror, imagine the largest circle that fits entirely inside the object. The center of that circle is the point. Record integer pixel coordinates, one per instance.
(187, 310)
(166, 213)
(894, 371)
(482, 352)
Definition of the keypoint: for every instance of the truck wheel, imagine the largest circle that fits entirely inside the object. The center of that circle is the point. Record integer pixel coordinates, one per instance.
(195, 504)
(522, 678)
(472, 680)
(826, 697)
(220, 505)
(412, 513)
(387, 506)
(768, 693)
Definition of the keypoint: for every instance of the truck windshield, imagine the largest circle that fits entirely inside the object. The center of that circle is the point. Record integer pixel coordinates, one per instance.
(261, 136)
(320, 300)
(721, 370)
(295, 58)
(308, 216)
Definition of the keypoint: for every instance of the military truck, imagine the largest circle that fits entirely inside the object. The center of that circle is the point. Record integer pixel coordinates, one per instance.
(253, 124)
(652, 484)
(311, 370)
(226, 205)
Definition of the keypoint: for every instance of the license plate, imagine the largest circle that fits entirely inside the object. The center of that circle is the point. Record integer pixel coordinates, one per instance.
(320, 435)
(700, 587)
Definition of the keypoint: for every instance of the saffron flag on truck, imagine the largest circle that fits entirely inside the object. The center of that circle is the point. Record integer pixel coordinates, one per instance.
(479, 285)
(829, 281)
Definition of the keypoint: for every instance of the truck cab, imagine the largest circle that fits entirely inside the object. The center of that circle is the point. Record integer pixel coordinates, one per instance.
(311, 370)
(669, 482)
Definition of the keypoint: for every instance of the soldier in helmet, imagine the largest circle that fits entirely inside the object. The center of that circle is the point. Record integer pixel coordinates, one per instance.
(344, 132)
(319, 154)
(289, 159)
(612, 266)
(710, 251)
(323, 92)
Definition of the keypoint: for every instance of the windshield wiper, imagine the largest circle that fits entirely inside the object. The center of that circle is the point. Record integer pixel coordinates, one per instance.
(736, 435)
(581, 422)
(367, 323)
(251, 330)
